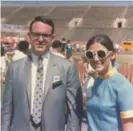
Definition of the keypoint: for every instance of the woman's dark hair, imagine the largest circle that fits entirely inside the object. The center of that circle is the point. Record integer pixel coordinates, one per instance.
(103, 40)
(43, 19)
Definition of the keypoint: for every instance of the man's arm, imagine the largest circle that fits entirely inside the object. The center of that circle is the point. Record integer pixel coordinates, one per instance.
(6, 111)
(74, 100)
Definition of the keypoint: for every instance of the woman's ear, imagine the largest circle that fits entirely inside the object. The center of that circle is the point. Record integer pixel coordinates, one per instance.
(113, 55)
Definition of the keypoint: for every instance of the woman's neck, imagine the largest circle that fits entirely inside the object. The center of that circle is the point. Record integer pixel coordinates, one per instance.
(107, 71)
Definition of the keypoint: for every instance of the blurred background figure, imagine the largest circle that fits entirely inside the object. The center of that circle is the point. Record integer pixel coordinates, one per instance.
(114, 61)
(23, 46)
(2, 66)
(69, 51)
(21, 51)
(57, 48)
(64, 40)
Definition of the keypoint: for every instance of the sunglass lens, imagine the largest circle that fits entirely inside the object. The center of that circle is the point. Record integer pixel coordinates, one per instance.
(89, 55)
(101, 54)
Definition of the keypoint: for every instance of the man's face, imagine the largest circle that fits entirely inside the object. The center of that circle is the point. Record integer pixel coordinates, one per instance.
(40, 37)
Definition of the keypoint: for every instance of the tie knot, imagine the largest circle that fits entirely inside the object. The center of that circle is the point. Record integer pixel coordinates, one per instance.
(40, 58)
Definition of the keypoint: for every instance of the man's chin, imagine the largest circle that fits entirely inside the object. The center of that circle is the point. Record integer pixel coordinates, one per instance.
(41, 51)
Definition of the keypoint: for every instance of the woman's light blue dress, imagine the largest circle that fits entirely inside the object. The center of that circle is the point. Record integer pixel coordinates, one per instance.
(109, 101)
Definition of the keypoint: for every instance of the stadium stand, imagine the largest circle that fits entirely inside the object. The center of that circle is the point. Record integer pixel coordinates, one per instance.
(6, 11)
(95, 20)
(25, 14)
(102, 17)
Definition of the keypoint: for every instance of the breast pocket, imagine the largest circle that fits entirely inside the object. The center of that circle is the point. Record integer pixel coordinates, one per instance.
(58, 91)
(57, 84)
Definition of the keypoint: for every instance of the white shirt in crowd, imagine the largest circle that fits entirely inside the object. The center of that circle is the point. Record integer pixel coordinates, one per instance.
(18, 55)
(34, 74)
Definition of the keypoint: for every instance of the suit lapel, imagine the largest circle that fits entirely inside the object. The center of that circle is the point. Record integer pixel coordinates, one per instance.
(49, 76)
(27, 79)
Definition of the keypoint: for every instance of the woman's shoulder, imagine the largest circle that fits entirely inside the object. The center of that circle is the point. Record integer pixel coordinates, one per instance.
(119, 82)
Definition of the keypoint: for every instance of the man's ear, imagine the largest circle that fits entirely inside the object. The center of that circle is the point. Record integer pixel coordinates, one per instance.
(28, 36)
(53, 37)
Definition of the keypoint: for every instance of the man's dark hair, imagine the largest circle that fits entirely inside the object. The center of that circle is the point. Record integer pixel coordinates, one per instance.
(43, 19)
(56, 44)
(23, 46)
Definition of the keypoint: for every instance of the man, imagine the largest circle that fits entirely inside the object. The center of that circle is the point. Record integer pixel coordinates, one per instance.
(69, 51)
(57, 48)
(38, 104)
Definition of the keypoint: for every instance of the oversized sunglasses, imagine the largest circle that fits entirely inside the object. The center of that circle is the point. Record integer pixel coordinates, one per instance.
(99, 54)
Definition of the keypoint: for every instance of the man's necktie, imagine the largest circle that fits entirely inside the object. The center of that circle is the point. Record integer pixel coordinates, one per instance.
(38, 96)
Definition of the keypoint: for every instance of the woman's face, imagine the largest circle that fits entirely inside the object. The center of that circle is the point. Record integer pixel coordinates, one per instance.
(101, 58)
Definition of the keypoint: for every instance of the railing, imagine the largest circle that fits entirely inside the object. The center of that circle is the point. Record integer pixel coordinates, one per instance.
(125, 69)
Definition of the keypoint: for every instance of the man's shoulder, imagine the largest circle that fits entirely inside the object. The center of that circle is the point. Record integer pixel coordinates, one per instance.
(61, 61)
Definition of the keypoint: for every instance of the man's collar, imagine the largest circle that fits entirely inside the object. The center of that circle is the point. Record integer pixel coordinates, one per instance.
(32, 55)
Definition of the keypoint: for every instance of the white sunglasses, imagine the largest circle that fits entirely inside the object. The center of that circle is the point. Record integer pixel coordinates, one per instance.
(100, 54)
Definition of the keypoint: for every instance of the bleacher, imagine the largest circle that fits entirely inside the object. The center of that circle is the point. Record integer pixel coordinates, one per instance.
(6, 11)
(102, 17)
(25, 14)
(95, 20)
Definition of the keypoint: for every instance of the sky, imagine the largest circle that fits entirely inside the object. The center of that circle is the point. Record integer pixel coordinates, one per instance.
(66, 3)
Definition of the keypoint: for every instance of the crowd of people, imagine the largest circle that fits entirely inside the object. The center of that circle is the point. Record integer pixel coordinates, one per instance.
(43, 91)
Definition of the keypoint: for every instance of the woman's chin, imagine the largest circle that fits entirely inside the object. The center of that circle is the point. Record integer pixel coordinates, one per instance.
(99, 70)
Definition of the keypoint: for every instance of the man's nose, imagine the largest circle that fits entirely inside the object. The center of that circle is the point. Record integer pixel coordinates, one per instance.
(40, 38)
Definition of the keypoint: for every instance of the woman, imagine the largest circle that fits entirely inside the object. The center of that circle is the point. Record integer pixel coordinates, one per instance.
(110, 100)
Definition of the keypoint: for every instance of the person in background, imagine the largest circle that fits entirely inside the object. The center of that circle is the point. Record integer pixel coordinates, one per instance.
(10, 52)
(3, 60)
(57, 48)
(2, 70)
(89, 79)
(110, 100)
(69, 51)
(23, 46)
(63, 40)
(114, 61)
(21, 51)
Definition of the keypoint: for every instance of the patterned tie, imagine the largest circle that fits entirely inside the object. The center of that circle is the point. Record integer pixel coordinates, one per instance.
(38, 96)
